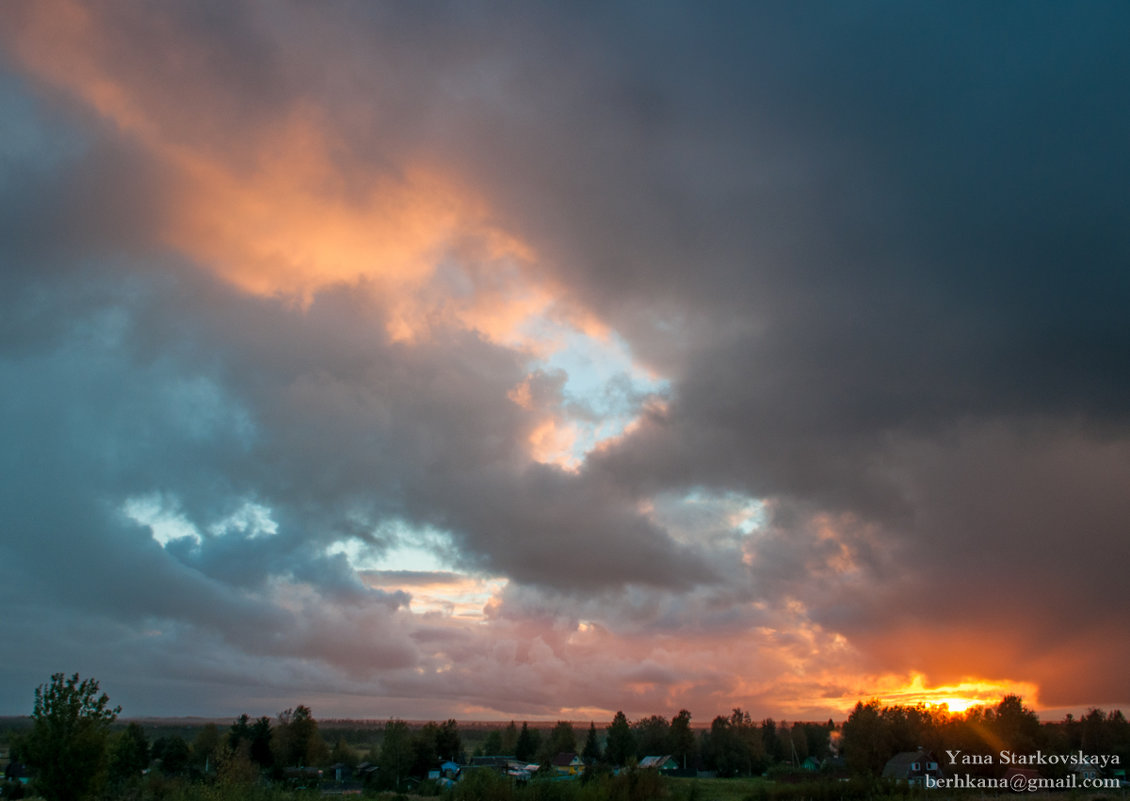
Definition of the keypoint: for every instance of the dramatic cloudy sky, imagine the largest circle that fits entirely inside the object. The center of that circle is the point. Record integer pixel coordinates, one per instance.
(497, 359)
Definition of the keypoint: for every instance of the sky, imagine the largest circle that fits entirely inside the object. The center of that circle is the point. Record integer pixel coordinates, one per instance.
(499, 360)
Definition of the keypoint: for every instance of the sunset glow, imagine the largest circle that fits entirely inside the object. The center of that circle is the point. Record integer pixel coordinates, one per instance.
(958, 697)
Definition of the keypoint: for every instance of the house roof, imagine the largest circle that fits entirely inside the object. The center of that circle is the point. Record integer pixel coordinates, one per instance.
(655, 761)
(564, 759)
(899, 766)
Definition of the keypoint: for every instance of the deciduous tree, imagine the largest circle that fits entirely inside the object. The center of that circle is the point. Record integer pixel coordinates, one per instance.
(67, 744)
(261, 735)
(683, 739)
(172, 753)
(129, 755)
(493, 744)
(1017, 726)
(396, 754)
(425, 756)
(652, 735)
(206, 746)
(866, 740)
(296, 741)
(562, 740)
(344, 753)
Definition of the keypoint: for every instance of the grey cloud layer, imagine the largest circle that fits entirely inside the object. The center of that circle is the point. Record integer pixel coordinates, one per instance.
(880, 251)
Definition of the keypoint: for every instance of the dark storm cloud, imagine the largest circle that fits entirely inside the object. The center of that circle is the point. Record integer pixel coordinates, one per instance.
(855, 231)
(958, 293)
(879, 250)
(910, 204)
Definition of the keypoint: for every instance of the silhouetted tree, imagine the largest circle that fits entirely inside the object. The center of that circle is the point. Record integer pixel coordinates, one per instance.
(818, 738)
(591, 752)
(562, 740)
(721, 748)
(798, 743)
(1017, 726)
(425, 757)
(620, 745)
(528, 743)
(66, 746)
(735, 746)
(206, 746)
(683, 744)
(770, 742)
(866, 740)
(510, 739)
(239, 732)
(492, 746)
(342, 752)
(129, 755)
(652, 735)
(449, 742)
(234, 768)
(172, 754)
(396, 754)
(296, 741)
(260, 743)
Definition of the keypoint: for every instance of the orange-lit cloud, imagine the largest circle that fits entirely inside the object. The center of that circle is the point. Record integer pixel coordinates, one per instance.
(553, 442)
(278, 209)
(454, 595)
(958, 697)
(279, 206)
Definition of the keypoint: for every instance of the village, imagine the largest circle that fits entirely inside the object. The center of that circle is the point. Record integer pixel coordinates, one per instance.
(74, 747)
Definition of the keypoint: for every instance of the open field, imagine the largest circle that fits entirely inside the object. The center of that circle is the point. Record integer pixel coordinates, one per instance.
(717, 789)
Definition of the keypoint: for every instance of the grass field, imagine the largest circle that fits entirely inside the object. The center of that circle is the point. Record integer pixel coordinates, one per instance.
(716, 789)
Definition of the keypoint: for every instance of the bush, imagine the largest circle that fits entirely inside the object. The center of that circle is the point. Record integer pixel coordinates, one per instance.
(12, 790)
(483, 784)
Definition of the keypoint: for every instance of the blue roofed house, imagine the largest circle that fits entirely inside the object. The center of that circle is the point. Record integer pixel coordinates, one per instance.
(663, 764)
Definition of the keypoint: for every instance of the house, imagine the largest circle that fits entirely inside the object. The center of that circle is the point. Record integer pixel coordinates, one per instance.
(498, 763)
(302, 778)
(16, 771)
(1085, 773)
(506, 765)
(568, 764)
(447, 774)
(367, 772)
(913, 767)
(835, 767)
(663, 764)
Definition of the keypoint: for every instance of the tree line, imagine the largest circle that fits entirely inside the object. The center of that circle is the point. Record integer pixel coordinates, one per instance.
(75, 755)
(873, 733)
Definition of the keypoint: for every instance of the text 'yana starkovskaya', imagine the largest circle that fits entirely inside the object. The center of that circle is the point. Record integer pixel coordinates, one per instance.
(1073, 759)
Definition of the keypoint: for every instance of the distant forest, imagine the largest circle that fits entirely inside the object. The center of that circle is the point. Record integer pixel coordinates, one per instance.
(75, 747)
